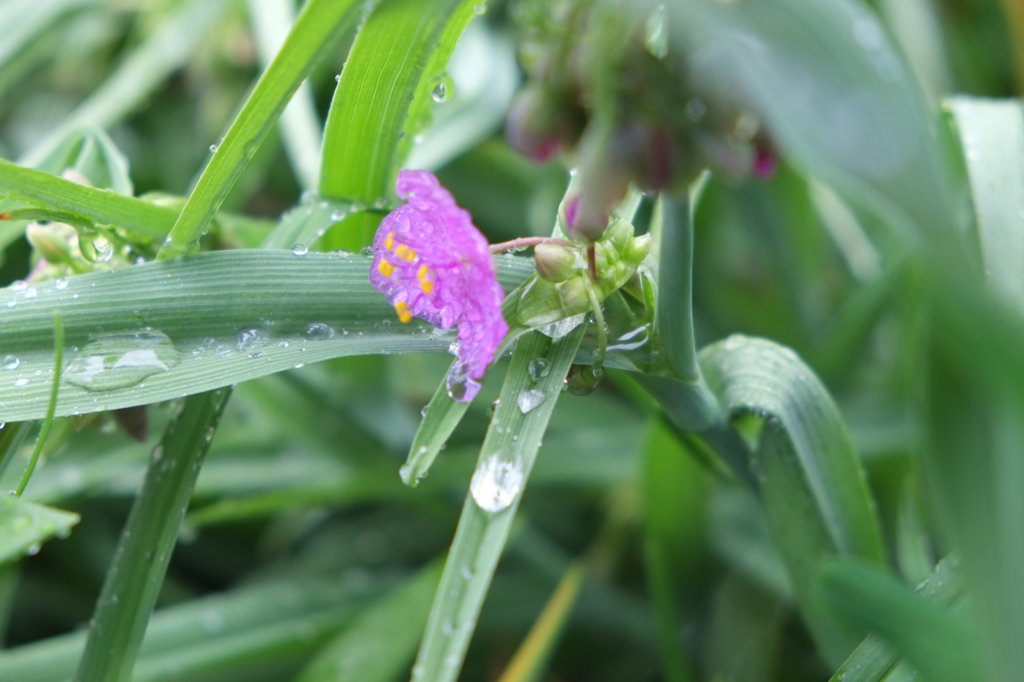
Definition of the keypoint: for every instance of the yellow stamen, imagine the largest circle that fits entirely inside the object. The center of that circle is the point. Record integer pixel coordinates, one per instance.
(402, 308)
(405, 253)
(386, 268)
(389, 241)
(425, 284)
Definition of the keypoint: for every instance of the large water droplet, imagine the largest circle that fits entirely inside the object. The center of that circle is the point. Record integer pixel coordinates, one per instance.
(11, 361)
(529, 399)
(300, 249)
(112, 361)
(496, 484)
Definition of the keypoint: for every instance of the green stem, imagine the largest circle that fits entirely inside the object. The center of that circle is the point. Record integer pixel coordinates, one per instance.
(51, 408)
(674, 321)
(140, 561)
(602, 328)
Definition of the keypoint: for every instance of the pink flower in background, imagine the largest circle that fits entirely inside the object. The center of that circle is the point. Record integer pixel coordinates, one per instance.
(432, 262)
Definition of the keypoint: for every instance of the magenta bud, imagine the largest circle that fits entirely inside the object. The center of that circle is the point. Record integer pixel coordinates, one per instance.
(585, 221)
(766, 161)
(528, 127)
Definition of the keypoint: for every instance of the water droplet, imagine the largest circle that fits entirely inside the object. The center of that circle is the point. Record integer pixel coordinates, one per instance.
(158, 453)
(252, 341)
(19, 285)
(696, 108)
(496, 484)
(443, 90)
(12, 303)
(101, 249)
(60, 284)
(337, 78)
(32, 550)
(21, 383)
(11, 361)
(480, 8)
(426, 408)
(466, 573)
(300, 249)
(318, 331)
(112, 361)
(457, 383)
(298, 365)
(31, 292)
(538, 368)
(213, 149)
(529, 399)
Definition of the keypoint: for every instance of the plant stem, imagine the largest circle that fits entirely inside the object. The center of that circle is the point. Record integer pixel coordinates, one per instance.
(524, 242)
(44, 432)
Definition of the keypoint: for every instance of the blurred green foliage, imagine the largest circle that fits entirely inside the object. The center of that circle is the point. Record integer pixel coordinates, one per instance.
(303, 556)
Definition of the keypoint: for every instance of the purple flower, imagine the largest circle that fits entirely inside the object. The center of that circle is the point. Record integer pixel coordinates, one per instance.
(432, 262)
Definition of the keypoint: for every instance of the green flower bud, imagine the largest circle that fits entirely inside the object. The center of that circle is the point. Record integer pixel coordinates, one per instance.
(52, 241)
(556, 263)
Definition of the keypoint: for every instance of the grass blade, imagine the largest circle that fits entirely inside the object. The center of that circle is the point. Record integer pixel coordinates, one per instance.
(873, 658)
(936, 641)
(814, 490)
(395, 62)
(507, 456)
(300, 125)
(99, 206)
(138, 74)
(384, 95)
(992, 136)
(140, 561)
(251, 628)
(321, 25)
(205, 321)
(531, 659)
(378, 644)
(25, 525)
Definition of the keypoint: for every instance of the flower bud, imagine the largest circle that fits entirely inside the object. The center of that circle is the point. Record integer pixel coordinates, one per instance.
(555, 263)
(530, 126)
(637, 250)
(53, 240)
(765, 158)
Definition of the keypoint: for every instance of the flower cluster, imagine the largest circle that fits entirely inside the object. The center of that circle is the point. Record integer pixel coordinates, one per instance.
(602, 88)
(431, 262)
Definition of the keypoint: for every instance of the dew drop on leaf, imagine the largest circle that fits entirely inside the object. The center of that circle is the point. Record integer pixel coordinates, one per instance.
(496, 484)
(529, 399)
(112, 361)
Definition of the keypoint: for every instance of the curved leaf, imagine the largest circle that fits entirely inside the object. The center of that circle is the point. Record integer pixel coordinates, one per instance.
(811, 482)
